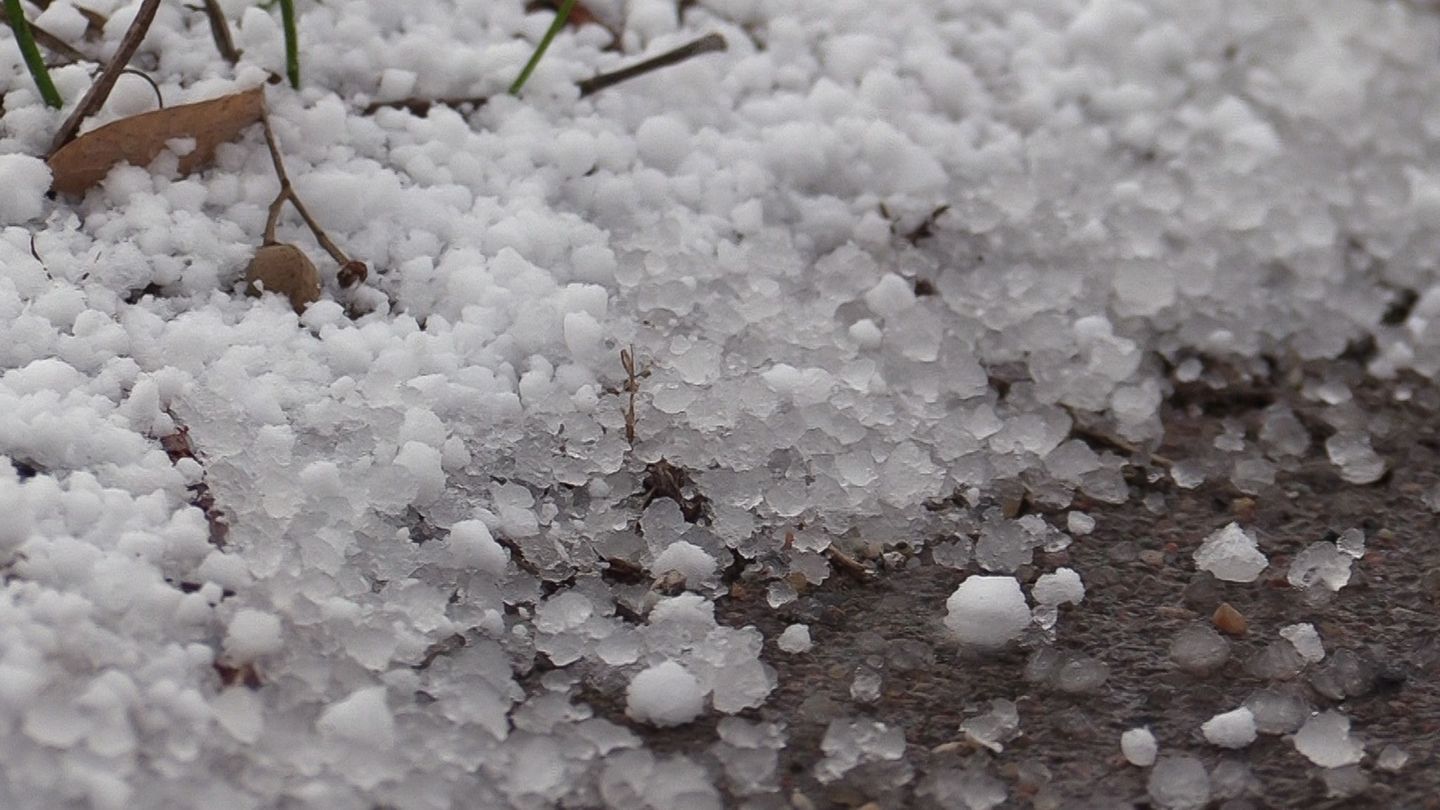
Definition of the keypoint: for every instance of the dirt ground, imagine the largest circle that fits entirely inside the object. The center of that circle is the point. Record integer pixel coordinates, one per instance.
(1141, 589)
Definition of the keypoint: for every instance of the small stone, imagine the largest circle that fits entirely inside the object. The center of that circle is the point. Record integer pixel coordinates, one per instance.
(1229, 620)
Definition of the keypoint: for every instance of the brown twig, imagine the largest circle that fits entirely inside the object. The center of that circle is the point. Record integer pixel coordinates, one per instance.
(1095, 436)
(632, 386)
(159, 97)
(422, 106)
(706, 44)
(94, 22)
(95, 97)
(709, 43)
(50, 41)
(178, 447)
(219, 30)
(849, 564)
(287, 194)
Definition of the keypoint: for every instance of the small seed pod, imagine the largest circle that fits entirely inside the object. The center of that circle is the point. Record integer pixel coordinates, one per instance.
(351, 273)
(285, 269)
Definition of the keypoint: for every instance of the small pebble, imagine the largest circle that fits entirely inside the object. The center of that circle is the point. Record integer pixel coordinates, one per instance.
(1229, 620)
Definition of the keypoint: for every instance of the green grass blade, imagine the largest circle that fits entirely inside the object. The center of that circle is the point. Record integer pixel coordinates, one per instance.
(292, 42)
(560, 17)
(31, 52)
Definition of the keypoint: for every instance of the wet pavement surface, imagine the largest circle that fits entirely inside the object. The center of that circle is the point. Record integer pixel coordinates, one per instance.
(1142, 588)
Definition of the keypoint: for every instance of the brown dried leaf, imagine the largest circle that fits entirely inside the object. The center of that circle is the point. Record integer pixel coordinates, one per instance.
(138, 139)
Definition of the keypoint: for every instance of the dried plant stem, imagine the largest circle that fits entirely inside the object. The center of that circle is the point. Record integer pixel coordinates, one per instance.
(99, 91)
(287, 194)
(709, 43)
(25, 38)
(159, 97)
(706, 44)
(1095, 436)
(422, 106)
(632, 386)
(220, 31)
(178, 446)
(849, 565)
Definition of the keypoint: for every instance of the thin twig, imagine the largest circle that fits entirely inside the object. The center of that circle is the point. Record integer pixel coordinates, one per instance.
(1095, 436)
(94, 22)
(422, 106)
(707, 44)
(287, 193)
(51, 42)
(220, 30)
(159, 97)
(177, 446)
(272, 217)
(99, 91)
(849, 564)
(632, 385)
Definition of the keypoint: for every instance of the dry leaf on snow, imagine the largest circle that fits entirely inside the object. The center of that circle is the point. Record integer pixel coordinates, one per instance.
(138, 139)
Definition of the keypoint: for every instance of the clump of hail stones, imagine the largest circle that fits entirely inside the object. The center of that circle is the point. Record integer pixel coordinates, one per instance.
(873, 272)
